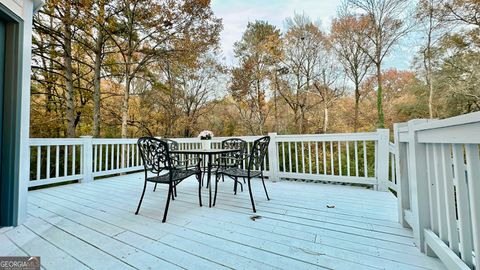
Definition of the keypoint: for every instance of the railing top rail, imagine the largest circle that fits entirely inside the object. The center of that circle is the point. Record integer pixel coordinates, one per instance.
(55, 141)
(300, 137)
(465, 119)
(403, 129)
(114, 141)
(459, 129)
(330, 137)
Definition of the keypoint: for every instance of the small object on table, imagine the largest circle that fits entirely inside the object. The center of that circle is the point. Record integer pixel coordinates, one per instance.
(205, 135)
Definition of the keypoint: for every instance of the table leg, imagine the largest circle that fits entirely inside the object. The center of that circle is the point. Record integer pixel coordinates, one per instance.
(209, 173)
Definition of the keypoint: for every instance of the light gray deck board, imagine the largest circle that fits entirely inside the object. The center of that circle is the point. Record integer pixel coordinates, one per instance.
(8, 248)
(93, 224)
(33, 244)
(332, 244)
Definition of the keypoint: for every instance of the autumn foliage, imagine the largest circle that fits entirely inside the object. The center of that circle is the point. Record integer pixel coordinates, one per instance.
(153, 67)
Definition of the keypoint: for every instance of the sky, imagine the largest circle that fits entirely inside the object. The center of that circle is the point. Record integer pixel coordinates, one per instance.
(237, 13)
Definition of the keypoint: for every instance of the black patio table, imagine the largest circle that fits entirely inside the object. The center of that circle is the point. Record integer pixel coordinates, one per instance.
(209, 153)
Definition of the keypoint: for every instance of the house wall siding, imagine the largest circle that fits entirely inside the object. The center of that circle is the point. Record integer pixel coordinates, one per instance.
(16, 6)
(28, 8)
(24, 9)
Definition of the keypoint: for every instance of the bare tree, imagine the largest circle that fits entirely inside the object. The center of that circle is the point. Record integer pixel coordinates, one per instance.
(326, 81)
(385, 25)
(433, 28)
(348, 39)
(463, 11)
(198, 85)
(302, 44)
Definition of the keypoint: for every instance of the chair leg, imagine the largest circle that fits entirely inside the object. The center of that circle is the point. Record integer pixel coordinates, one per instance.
(223, 178)
(216, 187)
(173, 195)
(264, 187)
(244, 181)
(235, 187)
(236, 184)
(170, 194)
(240, 183)
(155, 187)
(175, 190)
(199, 176)
(141, 198)
(251, 195)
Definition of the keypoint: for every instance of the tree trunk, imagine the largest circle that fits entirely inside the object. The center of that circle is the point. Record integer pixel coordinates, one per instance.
(428, 59)
(325, 118)
(275, 105)
(381, 117)
(97, 70)
(430, 92)
(126, 98)
(69, 93)
(302, 121)
(187, 131)
(357, 105)
(96, 92)
(260, 103)
(296, 119)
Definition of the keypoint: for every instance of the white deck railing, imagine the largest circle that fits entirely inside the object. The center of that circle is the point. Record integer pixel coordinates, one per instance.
(438, 174)
(392, 174)
(360, 158)
(55, 161)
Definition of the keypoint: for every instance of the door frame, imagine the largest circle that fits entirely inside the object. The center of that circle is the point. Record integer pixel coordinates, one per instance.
(12, 99)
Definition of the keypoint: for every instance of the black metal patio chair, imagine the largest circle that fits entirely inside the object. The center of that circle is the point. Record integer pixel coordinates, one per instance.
(173, 145)
(235, 159)
(255, 161)
(157, 159)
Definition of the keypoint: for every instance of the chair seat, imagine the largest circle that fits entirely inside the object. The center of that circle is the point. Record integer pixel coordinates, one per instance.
(177, 175)
(237, 172)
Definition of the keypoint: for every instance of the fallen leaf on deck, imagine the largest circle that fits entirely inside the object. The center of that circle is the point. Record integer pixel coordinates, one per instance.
(330, 206)
(311, 252)
(255, 217)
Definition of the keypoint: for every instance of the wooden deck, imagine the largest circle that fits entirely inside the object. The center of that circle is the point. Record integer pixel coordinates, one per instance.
(92, 225)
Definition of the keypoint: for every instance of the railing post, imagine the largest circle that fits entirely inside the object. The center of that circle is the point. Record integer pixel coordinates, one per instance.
(417, 174)
(273, 157)
(401, 171)
(383, 154)
(87, 159)
(207, 144)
